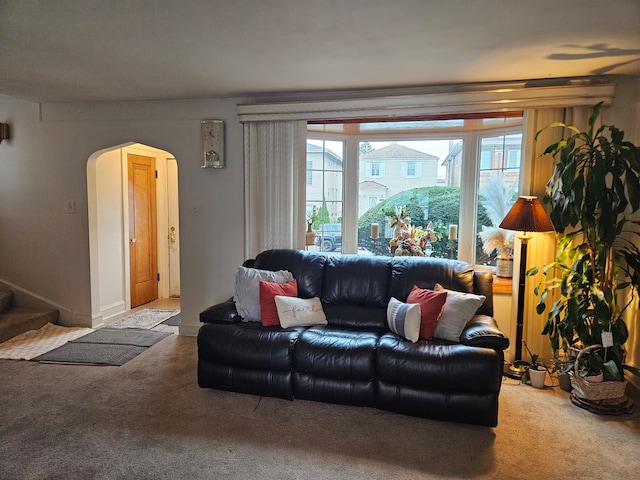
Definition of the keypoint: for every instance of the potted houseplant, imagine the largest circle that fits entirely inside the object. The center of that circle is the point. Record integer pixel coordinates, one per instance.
(562, 365)
(534, 371)
(593, 194)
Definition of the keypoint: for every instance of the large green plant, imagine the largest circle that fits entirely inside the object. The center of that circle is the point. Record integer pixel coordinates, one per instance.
(594, 193)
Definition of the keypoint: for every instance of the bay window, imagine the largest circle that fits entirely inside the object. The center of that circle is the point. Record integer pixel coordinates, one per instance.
(452, 177)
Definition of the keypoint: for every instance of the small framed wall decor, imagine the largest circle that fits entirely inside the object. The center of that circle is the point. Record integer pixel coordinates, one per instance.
(212, 132)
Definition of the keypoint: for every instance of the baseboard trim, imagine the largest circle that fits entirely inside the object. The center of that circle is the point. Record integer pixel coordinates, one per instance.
(189, 330)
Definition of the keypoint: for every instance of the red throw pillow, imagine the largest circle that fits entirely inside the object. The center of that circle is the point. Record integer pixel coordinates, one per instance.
(431, 303)
(268, 292)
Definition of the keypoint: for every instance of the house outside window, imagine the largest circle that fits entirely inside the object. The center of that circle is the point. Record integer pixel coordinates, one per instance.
(513, 158)
(309, 172)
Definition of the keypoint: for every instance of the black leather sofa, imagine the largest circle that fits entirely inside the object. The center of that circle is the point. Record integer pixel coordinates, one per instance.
(356, 359)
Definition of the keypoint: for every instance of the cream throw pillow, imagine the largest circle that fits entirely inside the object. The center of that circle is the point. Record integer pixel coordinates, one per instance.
(299, 312)
(459, 308)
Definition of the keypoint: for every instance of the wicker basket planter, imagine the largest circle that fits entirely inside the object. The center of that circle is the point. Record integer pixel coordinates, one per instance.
(594, 391)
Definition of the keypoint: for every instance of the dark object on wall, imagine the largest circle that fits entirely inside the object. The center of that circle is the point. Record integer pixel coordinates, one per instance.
(4, 131)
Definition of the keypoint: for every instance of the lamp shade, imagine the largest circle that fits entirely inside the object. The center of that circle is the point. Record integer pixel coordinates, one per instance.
(527, 215)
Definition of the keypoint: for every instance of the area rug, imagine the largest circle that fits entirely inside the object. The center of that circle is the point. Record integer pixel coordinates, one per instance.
(123, 336)
(30, 344)
(104, 351)
(147, 318)
(173, 321)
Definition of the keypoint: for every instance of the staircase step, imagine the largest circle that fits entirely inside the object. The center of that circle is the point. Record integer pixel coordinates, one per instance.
(17, 320)
(6, 299)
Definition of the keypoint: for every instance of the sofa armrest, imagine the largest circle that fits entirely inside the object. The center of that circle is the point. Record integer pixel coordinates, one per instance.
(224, 312)
(483, 331)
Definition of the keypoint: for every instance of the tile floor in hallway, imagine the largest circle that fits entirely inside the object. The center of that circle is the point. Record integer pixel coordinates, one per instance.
(161, 303)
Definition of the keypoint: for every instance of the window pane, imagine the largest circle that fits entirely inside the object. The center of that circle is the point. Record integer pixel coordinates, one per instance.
(420, 180)
(497, 190)
(324, 200)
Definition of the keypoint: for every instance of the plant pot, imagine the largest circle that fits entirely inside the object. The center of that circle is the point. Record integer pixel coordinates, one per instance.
(599, 378)
(564, 380)
(310, 236)
(537, 377)
(563, 367)
(504, 266)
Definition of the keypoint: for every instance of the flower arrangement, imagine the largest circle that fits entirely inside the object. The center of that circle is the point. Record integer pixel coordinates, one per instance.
(408, 240)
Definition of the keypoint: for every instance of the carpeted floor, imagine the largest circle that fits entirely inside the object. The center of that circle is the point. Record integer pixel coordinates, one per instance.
(149, 420)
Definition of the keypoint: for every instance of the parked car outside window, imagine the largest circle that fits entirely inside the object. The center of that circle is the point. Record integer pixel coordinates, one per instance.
(329, 237)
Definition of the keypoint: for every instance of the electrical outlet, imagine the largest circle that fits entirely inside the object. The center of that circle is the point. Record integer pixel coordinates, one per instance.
(71, 207)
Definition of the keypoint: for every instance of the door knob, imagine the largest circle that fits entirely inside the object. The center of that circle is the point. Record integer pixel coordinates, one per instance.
(172, 234)
(133, 240)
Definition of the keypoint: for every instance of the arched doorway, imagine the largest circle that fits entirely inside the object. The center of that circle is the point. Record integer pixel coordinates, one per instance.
(109, 227)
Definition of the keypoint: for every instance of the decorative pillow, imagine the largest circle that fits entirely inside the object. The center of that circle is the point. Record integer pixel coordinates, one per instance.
(404, 319)
(247, 295)
(300, 312)
(268, 292)
(459, 308)
(431, 304)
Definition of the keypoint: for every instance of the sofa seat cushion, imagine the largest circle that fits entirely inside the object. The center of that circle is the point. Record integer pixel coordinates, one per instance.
(438, 366)
(248, 345)
(336, 365)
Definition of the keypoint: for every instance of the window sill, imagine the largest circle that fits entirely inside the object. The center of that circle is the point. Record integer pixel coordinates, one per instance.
(502, 285)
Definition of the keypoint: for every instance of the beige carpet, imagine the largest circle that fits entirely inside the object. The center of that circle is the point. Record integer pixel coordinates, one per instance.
(149, 420)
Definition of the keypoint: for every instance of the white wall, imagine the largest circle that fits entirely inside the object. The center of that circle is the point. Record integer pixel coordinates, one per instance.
(45, 251)
(109, 223)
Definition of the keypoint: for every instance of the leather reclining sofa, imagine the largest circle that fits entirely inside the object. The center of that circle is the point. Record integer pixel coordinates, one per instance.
(355, 359)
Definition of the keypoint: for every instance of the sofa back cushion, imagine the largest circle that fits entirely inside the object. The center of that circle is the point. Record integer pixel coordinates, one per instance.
(306, 267)
(426, 272)
(355, 291)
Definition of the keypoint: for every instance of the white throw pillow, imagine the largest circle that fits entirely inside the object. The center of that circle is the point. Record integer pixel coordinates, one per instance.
(404, 319)
(247, 295)
(459, 308)
(300, 312)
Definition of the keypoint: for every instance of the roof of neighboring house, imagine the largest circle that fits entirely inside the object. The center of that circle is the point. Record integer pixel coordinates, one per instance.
(397, 151)
(327, 153)
(371, 184)
(455, 151)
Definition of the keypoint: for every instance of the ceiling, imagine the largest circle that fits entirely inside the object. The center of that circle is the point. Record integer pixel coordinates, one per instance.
(81, 50)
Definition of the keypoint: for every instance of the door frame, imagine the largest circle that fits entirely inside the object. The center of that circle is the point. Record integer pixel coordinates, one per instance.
(110, 284)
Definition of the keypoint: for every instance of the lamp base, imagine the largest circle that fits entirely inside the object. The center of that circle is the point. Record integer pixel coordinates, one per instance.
(510, 372)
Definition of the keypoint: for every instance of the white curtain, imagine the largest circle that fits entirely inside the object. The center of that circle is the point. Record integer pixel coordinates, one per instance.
(274, 162)
(542, 247)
